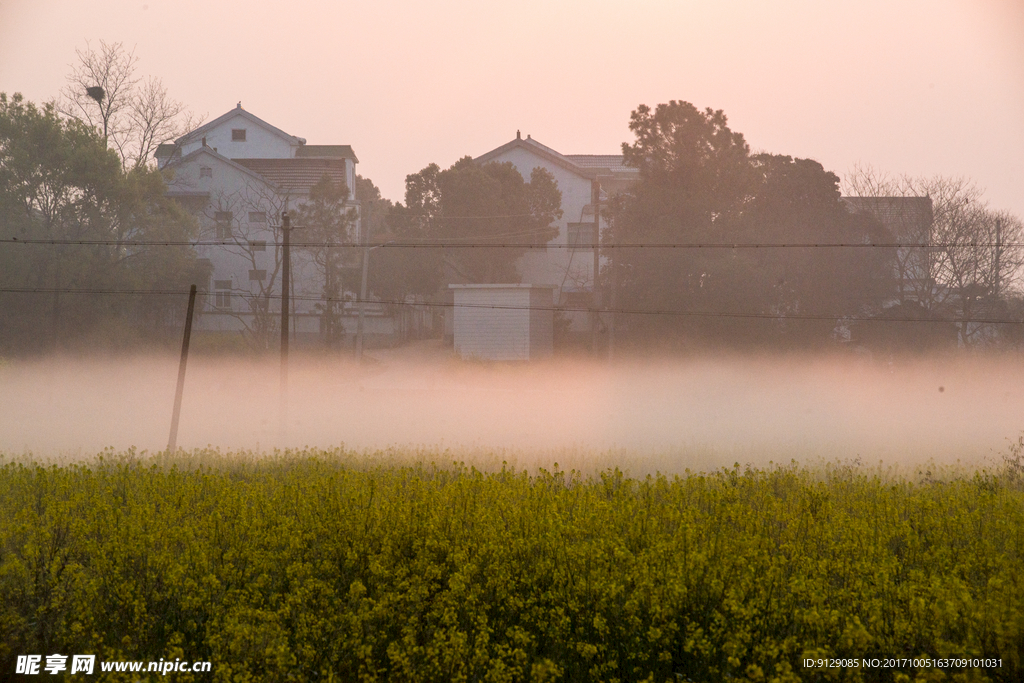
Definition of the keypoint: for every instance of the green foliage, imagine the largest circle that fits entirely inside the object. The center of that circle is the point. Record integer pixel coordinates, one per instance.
(326, 220)
(474, 203)
(699, 184)
(59, 182)
(318, 566)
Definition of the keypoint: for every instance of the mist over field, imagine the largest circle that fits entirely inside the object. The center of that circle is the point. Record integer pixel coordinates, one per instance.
(641, 415)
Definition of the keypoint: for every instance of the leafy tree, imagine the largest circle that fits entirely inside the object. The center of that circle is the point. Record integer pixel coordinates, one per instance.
(59, 182)
(695, 173)
(329, 221)
(396, 272)
(475, 203)
(699, 184)
(798, 201)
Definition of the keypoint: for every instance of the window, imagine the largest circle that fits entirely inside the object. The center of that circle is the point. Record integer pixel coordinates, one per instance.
(257, 275)
(257, 216)
(205, 172)
(581, 236)
(258, 245)
(222, 219)
(238, 135)
(222, 293)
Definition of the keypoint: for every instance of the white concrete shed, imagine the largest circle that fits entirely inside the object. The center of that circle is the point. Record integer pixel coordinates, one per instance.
(503, 322)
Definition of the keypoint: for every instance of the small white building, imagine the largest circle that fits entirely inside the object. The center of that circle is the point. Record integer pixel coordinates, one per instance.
(503, 322)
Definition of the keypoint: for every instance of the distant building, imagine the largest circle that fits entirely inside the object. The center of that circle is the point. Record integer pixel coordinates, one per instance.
(237, 174)
(918, 297)
(909, 221)
(569, 267)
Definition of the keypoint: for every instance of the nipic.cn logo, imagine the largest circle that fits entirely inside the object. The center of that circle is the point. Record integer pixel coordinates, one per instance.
(33, 665)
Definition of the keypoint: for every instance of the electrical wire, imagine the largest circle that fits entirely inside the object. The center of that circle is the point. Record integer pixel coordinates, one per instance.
(617, 311)
(513, 245)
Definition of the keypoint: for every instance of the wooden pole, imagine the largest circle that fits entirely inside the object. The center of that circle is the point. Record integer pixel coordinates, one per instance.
(612, 303)
(285, 291)
(172, 441)
(362, 294)
(999, 248)
(595, 319)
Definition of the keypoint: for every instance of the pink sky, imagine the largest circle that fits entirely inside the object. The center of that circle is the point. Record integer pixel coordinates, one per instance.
(918, 86)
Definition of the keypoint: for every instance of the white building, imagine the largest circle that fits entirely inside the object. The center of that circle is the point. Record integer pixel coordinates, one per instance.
(568, 265)
(238, 174)
(503, 322)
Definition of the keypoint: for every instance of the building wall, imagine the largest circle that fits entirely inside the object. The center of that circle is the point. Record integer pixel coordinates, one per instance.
(259, 142)
(514, 333)
(566, 269)
(233, 190)
(542, 322)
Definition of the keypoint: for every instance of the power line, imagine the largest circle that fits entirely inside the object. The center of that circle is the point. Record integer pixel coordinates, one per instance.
(623, 311)
(515, 245)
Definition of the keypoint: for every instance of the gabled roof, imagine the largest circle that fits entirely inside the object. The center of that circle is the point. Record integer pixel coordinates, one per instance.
(610, 163)
(534, 147)
(327, 152)
(208, 151)
(238, 111)
(584, 165)
(297, 175)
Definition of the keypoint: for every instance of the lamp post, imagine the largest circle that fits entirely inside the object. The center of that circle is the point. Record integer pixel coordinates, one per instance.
(595, 315)
(362, 294)
(97, 93)
(286, 228)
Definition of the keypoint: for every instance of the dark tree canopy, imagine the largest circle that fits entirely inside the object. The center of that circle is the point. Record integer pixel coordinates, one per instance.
(699, 184)
(328, 220)
(470, 202)
(467, 203)
(58, 181)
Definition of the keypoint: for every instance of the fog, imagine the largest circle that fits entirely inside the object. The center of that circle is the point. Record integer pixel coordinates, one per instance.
(642, 415)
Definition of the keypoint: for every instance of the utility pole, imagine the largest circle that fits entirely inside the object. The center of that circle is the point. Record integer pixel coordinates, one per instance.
(286, 228)
(612, 302)
(172, 442)
(595, 315)
(999, 249)
(362, 294)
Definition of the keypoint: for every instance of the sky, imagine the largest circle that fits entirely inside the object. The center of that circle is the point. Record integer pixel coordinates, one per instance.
(918, 87)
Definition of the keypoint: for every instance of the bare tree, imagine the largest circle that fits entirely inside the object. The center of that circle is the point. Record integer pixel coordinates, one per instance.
(964, 263)
(248, 224)
(135, 115)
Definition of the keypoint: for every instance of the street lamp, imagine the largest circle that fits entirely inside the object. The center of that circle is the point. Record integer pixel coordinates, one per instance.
(97, 93)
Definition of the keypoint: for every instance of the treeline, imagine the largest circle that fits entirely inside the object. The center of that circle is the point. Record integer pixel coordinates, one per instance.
(940, 275)
(700, 185)
(60, 184)
(315, 567)
(712, 246)
(733, 248)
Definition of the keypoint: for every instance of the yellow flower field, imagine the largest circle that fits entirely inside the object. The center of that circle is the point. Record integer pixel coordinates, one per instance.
(322, 566)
